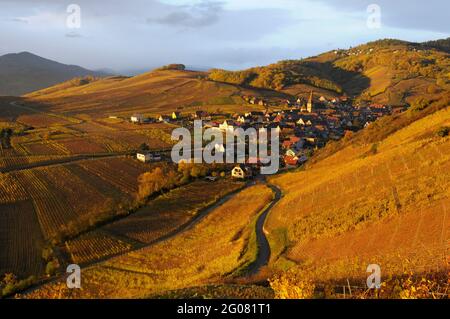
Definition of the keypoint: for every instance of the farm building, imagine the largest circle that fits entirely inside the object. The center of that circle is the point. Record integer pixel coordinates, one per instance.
(164, 118)
(241, 172)
(147, 157)
(202, 115)
(226, 126)
(137, 118)
(176, 115)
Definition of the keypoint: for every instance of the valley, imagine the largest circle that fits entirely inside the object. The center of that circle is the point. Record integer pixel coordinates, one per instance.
(363, 179)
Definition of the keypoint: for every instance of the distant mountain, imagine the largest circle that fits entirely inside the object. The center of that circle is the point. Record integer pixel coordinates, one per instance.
(24, 72)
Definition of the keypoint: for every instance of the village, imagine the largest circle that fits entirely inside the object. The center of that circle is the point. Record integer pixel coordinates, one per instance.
(304, 125)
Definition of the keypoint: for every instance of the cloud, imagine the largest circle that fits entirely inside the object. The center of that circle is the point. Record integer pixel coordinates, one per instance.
(73, 35)
(430, 15)
(192, 16)
(20, 20)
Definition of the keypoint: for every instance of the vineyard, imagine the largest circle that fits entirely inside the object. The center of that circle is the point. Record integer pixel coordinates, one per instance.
(167, 213)
(41, 149)
(80, 196)
(389, 206)
(21, 241)
(82, 146)
(41, 120)
(107, 189)
(94, 246)
(52, 210)
(65, 196)
(118, 171)
(204, 254)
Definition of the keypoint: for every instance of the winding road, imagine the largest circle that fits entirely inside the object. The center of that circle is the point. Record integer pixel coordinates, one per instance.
(263, 256)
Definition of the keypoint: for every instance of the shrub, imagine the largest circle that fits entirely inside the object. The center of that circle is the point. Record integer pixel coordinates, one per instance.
(52, 267)
(443, 131)
(291, 285)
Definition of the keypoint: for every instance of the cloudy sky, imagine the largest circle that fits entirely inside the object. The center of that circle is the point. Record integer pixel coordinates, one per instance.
(234, 34)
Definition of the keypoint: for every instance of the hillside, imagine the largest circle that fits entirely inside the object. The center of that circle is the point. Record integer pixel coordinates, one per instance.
(382, 202)
(25, 72)
(443, 44)
(158, 92)
(390, 72)
(386, 71)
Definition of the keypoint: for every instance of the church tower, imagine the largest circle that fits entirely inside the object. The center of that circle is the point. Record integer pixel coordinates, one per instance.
(310, 103)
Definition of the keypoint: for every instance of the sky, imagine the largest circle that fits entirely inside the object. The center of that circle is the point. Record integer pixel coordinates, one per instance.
(231, 34)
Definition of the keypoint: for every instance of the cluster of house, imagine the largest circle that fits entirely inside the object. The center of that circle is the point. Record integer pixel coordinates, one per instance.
(303, 125)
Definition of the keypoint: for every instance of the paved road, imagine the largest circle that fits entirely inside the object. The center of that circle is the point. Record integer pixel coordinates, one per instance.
(263, 256)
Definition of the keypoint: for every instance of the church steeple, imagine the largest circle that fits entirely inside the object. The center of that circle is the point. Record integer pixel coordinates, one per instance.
(310, 102)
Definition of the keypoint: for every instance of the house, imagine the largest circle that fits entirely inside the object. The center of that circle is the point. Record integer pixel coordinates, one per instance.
(226, 126)
(176, 115)
(291, 160)
(243, 119)
(147, 157)
(290, 153)
(137, 118)
(241, 172)
(202, 115)
(164, 118)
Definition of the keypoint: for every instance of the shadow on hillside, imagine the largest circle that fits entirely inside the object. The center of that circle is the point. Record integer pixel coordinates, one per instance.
(354, 83)
(14, 106)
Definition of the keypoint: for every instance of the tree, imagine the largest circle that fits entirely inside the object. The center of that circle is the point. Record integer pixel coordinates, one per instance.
(443, 131)
(9, 279)
(144, 147)
(151, 182)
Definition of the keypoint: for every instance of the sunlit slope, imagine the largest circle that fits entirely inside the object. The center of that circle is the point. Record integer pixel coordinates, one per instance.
(387, 71)
(154, 92)
(384, 203)
(208, 252)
